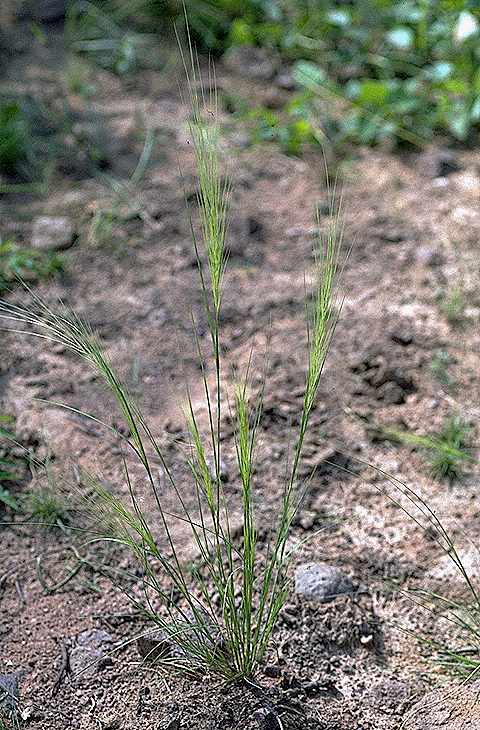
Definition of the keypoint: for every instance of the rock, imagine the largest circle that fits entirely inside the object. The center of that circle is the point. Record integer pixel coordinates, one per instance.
(437, 163)
(449, 708)
(9, 692)
(285, 80)
(402, 337)
(245, 235)
(52, 233)
(445, 578)
(390, 695)
(252, 62)
(224, 473)
(469, 182)
(321, 582)
(89, 652)
(272, 670)
(159, 643)
(173, 724)
(44, 11)
(391, 394)
(429, 256)
(266, 718)
(301, 232)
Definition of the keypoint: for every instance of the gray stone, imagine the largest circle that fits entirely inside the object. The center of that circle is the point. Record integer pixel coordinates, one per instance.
(163, 642)
(52, 233)
(321, 582)
(252, 62)
(48, 10)
(94, 638)
(265, 718)
(9, 692)
(446, 578)
(224, 474)
(437, 163)
(285, 81)
(388, 694)
(157, 644)
(89, 652)
(429, 256)
(454, 707)
(84, 661)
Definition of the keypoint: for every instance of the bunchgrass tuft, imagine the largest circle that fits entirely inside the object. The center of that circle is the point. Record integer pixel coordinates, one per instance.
(45, 504)
(221, 615)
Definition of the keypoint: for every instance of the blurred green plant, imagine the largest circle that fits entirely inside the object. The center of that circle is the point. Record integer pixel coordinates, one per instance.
(453, 305)
(290, 130)
(77, 77)
(439, 367)
(15, 137)
(9, 471)
(19, 262)
(39, 136)
(100, 31)
(402, 71)
(45, 505)
(448, 450)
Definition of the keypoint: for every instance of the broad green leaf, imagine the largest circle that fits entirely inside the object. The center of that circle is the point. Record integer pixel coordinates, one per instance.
(373, 93)
(308, 74)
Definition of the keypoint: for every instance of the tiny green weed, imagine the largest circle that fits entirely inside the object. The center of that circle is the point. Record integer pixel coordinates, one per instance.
(45, 505)
(20, 262)
(9, 466)
(78, 77)
(440, 368)
(447, 451)
(453, 306)
(15, 138)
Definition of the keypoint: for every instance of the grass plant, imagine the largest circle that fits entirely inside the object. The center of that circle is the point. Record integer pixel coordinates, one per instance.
(45, 505)
(460, 653)
(222, 616)
(448, 450)
(453, 306)
(8, 464)
(21, 262)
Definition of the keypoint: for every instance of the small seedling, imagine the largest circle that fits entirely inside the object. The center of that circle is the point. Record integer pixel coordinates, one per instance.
(45, 506)
(447, 451)
(20, 262)
(15, 138)
(439, 367)
(450, 449)
(9, 472)
(461, 613)
(108, 43)
(100, 232)
(77, 78)
(453, 306)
